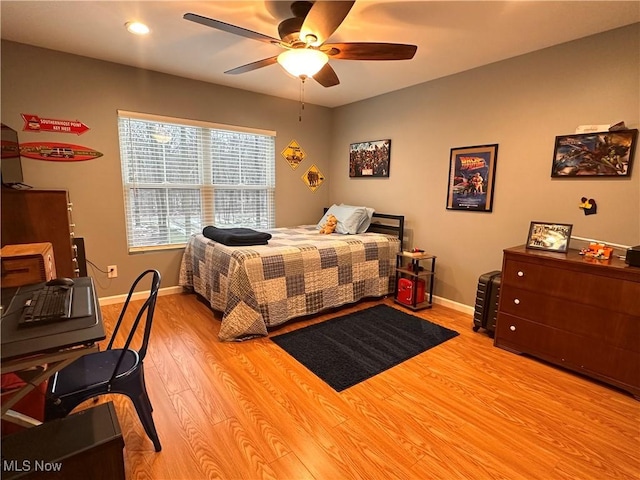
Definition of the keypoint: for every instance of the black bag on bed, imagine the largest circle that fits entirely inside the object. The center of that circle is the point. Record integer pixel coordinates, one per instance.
(236, 237)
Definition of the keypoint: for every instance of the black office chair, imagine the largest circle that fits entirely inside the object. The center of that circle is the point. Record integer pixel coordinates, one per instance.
(114, 370)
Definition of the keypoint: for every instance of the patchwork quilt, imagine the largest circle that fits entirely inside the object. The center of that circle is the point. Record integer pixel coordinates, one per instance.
(299, 272)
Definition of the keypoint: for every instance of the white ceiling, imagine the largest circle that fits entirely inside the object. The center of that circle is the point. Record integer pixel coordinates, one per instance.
(451, 37)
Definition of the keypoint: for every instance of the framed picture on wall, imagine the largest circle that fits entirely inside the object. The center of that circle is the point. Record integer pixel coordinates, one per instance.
(553, 237)
(370, 159)
(599, 154)
(472, 172)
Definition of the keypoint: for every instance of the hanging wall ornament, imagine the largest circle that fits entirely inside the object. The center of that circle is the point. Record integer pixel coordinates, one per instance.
(313, 178)
(293, 154)
(588, 206)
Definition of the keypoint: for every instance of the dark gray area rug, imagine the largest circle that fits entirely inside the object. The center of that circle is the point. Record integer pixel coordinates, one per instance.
(346, 350)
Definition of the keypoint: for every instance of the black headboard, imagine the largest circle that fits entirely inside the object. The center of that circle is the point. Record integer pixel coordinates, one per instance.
(390, 224)
(386, 223)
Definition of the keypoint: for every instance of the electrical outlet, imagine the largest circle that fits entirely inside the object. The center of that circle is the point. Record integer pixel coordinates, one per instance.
(112, 271)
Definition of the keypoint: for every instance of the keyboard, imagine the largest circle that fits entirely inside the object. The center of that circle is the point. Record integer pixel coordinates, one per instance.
(48, 304)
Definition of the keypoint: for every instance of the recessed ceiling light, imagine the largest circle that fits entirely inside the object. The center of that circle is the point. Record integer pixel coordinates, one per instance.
(137, 28)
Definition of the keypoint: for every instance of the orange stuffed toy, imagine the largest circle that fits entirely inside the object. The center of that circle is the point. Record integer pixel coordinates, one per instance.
(330, 225)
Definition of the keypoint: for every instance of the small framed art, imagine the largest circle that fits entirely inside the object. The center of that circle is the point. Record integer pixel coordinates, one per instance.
(599, 154)
(553, 237)
(472, 172)
(370, 159)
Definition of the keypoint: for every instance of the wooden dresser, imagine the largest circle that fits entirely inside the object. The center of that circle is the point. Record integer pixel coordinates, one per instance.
(582, 314)
(34, 216)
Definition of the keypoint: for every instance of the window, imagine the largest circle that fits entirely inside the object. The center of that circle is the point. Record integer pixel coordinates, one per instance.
(179, 176)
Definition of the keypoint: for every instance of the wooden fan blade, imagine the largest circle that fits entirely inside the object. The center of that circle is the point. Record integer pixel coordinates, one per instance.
(370, 51)
(323, 19)
(227, 27)
(249, 67)
(327, 76)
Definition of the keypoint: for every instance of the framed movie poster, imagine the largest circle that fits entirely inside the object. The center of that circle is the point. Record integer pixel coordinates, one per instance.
(599, 154)
(370, 159)
(472, 172)
(553, 237)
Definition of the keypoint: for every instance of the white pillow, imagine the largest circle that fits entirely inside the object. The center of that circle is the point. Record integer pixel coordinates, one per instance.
(349, 218)
(366, 220)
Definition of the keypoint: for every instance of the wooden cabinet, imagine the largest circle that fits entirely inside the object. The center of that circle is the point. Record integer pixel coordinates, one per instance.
(35, 216)
(579, 313)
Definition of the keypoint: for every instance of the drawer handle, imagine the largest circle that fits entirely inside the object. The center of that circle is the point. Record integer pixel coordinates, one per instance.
(520, 273)
(516, 301)
(512, 328)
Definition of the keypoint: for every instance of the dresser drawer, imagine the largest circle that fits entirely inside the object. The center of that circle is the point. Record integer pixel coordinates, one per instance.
(614, 294)
(570, 350)
(598, 323)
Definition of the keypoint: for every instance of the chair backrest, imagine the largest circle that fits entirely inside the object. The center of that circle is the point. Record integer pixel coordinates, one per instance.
(145, 311)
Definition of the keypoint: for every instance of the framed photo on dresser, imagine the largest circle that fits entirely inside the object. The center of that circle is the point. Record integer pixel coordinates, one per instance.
(553, 237)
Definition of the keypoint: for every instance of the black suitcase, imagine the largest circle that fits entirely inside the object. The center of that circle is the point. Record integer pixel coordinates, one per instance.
(486, 308)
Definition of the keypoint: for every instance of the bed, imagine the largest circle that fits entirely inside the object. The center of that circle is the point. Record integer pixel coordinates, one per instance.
(299, 272)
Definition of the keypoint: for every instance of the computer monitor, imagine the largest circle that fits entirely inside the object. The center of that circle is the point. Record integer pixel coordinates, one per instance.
(10, 162)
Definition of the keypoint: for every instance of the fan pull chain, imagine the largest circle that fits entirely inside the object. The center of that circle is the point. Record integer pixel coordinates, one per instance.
(303, 78)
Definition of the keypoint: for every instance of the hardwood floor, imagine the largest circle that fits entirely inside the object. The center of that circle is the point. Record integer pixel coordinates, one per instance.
(464, 409)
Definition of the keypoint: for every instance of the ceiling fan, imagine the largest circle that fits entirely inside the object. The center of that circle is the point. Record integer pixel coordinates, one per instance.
(303, 37)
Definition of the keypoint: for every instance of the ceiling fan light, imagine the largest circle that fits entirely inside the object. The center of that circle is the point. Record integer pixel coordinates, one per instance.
(137, 28)
(301, 62)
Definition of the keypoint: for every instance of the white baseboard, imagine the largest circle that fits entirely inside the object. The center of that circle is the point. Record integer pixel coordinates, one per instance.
(139, 295)
(177, 289)
(459, 307)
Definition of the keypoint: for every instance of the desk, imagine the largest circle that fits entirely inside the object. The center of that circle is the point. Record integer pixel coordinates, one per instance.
(37, 353)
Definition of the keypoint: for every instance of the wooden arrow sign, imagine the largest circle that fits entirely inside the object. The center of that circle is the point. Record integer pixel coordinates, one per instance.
(33, 123)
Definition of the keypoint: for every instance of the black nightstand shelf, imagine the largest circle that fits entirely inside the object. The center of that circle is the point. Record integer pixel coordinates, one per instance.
(414, 282)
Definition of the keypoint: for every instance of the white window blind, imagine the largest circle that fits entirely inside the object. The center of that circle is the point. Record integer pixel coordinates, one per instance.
(179, 176)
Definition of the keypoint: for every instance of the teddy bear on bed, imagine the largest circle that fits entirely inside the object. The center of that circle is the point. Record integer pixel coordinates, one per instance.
(330, 225)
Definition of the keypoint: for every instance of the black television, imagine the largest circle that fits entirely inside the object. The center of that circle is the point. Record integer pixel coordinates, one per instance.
(10, 162)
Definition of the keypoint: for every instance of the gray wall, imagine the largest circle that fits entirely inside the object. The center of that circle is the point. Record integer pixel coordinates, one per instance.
(62, 86)
(520, 104)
